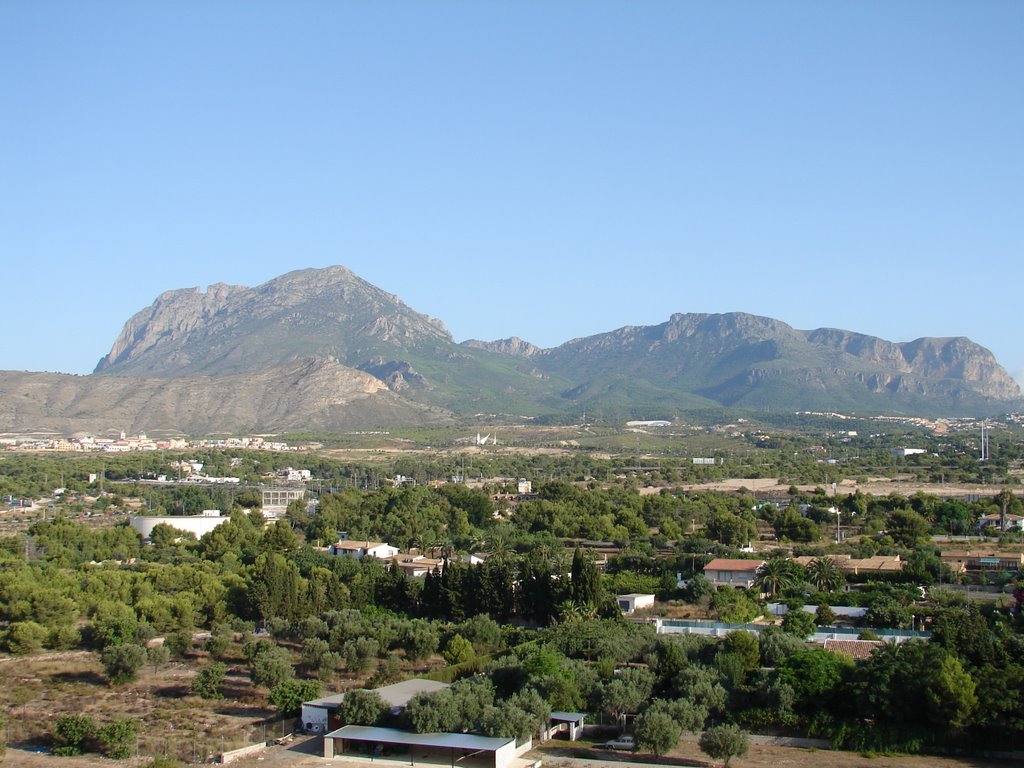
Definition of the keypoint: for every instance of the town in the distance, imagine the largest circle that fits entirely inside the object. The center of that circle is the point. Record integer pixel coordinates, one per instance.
(501, 593)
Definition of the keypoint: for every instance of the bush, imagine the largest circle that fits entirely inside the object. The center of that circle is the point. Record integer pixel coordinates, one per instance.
(118, 738)
(724, 742)
(458, 650)
(72, 733)
(824, 616)
(24, 637)
(123, 662)
(209, 681)
(799, 624)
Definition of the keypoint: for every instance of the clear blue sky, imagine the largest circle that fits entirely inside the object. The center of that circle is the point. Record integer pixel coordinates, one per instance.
(542, 169)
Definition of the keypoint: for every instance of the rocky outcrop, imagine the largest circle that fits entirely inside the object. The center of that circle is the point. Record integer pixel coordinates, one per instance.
(309, 313)
(513, 347)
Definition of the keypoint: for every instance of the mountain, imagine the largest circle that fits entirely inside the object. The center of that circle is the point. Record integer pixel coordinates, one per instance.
(745, 361)
(322, 349)
(310, 313)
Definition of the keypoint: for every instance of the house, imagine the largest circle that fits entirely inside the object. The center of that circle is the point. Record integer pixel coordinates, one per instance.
(996, 520)
(857, 566)
(852, 649)
(361, 549)
(634, 602)
(983, 561)
(725, 572)
(417, 566)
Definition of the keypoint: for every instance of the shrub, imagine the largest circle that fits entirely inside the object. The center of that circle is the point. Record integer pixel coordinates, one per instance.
(118, 738)
(24, 637)
(724, 742)
(123, 662)
(209, 681)
(72, 733)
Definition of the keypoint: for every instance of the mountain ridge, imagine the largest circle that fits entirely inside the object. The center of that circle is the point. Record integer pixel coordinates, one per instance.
(324, 349)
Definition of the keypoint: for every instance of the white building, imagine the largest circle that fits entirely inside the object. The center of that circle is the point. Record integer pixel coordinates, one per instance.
(276, 501)
(634, 602)
(198, 525)
(361, 549)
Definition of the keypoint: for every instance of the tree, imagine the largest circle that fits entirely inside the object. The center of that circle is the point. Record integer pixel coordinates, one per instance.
(907, 527)
(746, 647)
(458, 650)
(270, 665)
(798, 623)
(72, 733)
(824, 616)
(362, 707)
(626, 692)
(952, 697)
(433, 712)
(724, 742)
(117, 738)
(420, 640)
(656, 731)
(123, 662)
(157, 656)
(777, 646)
(775, 575)
(288, 695)
(825, 575)
(209, 681)
(24, 637)
(585, 581)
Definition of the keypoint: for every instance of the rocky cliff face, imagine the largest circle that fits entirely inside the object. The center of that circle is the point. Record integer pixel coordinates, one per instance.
(309, 313)
(513, 346)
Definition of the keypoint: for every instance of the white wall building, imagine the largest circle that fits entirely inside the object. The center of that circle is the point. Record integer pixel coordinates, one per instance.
(634, 602)
(197, 525)
(360, 549)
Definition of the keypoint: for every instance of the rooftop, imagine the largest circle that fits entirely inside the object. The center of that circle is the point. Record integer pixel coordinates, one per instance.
(726, 564)
(394, 736)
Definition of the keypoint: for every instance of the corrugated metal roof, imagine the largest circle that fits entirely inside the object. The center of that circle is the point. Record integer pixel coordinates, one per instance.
(394, 736)
(568, 717)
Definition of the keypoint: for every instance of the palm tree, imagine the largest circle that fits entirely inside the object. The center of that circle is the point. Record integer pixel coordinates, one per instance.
(775, 575)
(825, 575)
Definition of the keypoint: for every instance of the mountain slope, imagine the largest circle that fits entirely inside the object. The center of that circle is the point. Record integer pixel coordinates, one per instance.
(294, 396)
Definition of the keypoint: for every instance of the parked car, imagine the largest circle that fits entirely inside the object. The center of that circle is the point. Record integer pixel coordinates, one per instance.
(620, 742)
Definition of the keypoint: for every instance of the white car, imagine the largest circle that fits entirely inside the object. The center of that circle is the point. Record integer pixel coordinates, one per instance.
(621, 742)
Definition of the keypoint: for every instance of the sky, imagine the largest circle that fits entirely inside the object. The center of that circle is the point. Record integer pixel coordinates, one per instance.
(547, 170)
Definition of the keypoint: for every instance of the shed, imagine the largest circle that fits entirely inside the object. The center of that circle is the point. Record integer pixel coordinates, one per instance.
(569, 723)
(383, 745)
(634, 601)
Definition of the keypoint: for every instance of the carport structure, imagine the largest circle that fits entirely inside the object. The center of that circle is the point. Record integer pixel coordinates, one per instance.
(392, 746)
